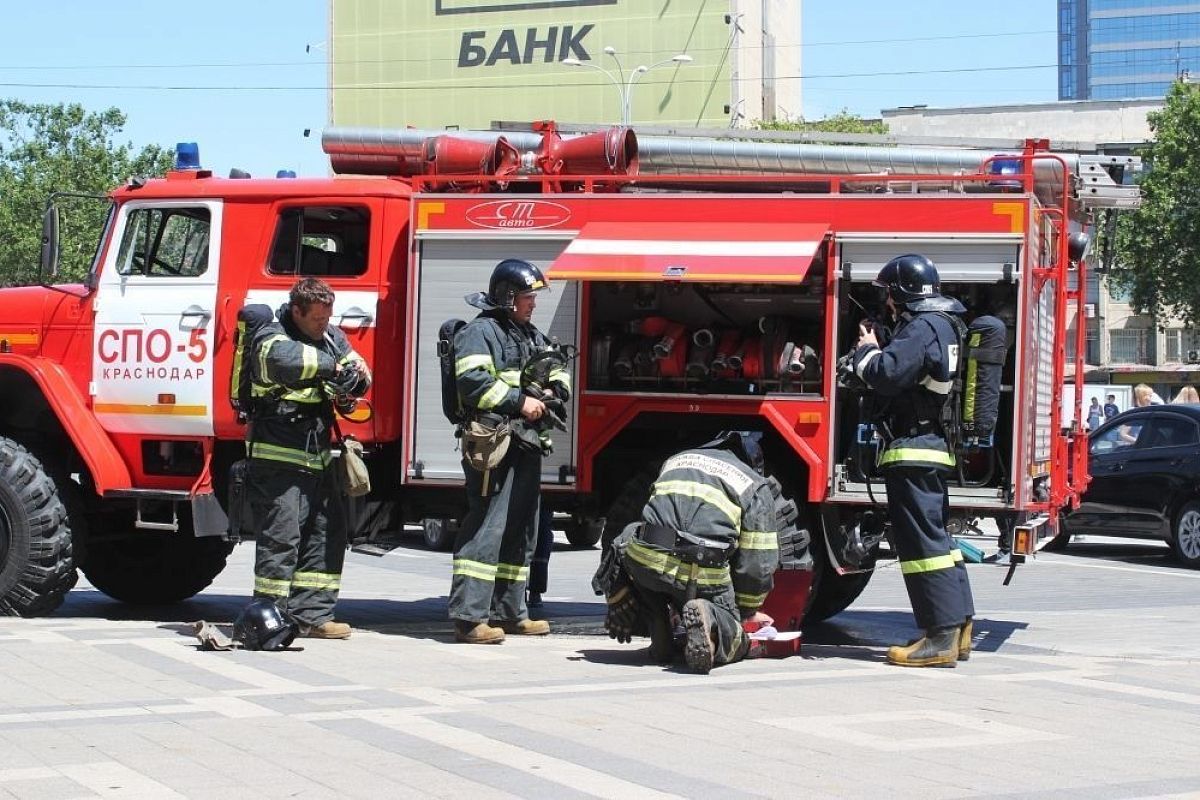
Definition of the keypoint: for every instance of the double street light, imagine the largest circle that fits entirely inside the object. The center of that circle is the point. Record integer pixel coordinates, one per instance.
(625, 86)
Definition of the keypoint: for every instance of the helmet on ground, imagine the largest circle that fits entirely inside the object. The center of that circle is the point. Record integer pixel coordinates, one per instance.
(511, 277)
(746, 445)
(262, 626)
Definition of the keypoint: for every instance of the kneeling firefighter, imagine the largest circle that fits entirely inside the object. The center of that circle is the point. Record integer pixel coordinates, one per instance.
(503, 439)
(705, 551)
(916, 373)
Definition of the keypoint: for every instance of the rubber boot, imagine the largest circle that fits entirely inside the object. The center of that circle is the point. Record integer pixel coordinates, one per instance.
(965, 632)
(934, 649)
(700, 647)
(477, 633)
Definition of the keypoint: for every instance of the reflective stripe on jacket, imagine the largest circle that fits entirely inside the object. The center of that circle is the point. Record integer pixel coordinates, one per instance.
(490, 352)
(288, 370)
(711, 493)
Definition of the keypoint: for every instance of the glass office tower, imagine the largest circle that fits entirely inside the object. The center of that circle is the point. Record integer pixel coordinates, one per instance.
(1123, 49)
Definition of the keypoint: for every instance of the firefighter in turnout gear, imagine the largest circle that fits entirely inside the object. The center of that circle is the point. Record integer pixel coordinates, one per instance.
(301, 366)
(915, 374)
(705, 552)
(502, 465)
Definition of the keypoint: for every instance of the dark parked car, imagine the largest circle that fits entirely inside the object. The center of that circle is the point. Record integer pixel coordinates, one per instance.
(1145, 466)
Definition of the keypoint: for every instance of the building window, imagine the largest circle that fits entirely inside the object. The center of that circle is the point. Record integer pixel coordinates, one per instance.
(1174, 346)
(1091, 353)
(1181, 346)
(1129, 346)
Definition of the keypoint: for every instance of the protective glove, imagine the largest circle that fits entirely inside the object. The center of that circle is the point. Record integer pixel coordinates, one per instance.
(624, 614)
(346, 381)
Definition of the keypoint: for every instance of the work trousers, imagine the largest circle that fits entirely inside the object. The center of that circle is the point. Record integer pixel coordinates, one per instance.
(496, 539)
(301, 543)
(539, 568)
(933, 568)
(659, 590)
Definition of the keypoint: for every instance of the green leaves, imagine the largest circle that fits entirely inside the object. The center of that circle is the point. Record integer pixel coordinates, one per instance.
(841, 122)
(1158, 245)
(60, 148)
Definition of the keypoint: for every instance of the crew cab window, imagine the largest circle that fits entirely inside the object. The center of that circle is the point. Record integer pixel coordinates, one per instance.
(1117, 437)
(323, 241)
(165, 242)
(1167, 431)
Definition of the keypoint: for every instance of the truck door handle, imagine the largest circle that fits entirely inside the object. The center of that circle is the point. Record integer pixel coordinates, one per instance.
(355, 317)
(194, 317)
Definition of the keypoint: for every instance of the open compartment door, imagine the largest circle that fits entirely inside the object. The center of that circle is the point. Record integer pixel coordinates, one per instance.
(691, 251)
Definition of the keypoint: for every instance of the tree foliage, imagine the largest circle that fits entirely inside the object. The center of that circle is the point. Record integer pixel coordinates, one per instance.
(841, 122)
(60, 148)
(1157, 258)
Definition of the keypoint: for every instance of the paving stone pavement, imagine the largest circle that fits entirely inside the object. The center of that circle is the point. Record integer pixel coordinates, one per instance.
(1083, 684)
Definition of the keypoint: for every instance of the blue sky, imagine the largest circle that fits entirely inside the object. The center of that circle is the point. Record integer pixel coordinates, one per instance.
(236, 77)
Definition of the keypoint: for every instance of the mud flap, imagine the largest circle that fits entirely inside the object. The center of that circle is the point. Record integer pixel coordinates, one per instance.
(208, 518)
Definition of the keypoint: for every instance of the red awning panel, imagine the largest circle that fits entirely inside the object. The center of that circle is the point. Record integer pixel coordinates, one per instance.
(690, 251)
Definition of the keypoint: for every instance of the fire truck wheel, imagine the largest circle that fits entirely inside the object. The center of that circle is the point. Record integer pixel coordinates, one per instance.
(438, 534)
(627, 506)
(584, 532)
(150, 568)
(36, 568)
(832, 593)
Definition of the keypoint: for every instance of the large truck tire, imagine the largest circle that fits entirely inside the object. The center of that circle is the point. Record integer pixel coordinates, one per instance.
(36, 565)
(439, 533)
(831, 593)
(627, 506)
(584, 532)
(151, 568)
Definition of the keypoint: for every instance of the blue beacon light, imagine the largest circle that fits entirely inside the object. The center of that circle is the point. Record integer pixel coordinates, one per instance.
(187, 155)
(285, 173)
(1005, 167)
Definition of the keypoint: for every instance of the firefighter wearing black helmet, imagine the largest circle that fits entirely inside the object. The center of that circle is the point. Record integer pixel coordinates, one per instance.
(915, 374)
(496, 539)
(704, 552)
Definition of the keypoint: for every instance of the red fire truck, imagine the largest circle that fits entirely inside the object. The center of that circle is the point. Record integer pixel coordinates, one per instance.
(706, 284)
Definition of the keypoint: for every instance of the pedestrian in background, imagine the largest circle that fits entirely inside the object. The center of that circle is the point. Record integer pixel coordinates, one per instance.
(1110, 407)
(1144, 396)
(1187, 394)
(1095, 414)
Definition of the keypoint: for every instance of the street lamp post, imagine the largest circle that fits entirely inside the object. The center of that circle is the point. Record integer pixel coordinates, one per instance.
(625, 86)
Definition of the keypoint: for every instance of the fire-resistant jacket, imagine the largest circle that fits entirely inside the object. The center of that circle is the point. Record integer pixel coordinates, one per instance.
(711, 493)
(489, 353)
(294, 414)
(916, 373)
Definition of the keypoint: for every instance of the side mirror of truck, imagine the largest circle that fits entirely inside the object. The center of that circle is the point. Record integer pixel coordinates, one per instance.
(49, 256)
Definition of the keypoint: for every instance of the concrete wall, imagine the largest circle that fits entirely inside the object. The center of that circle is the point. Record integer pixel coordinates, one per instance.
(1107, 121)
(765, 54)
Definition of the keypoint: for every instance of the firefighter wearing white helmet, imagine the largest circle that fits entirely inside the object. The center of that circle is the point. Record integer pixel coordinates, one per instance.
(916, 372)
(502, 459)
